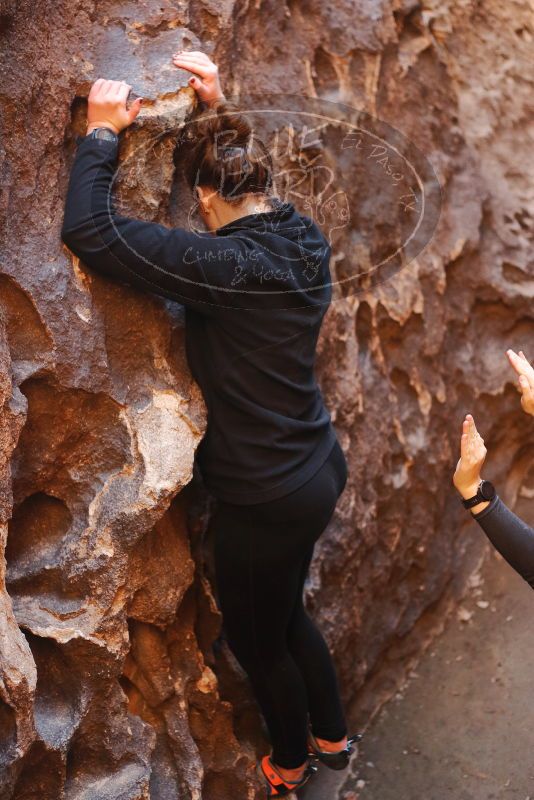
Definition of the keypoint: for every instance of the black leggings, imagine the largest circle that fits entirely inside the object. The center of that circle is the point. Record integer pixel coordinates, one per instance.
(262, 554)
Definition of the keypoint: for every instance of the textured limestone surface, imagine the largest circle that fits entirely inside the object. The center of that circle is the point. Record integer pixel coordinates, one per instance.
(115, 680)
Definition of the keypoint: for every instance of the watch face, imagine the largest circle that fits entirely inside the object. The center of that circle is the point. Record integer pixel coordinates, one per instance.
(487, 490)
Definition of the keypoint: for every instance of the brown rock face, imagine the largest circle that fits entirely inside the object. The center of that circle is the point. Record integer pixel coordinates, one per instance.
(114, 679)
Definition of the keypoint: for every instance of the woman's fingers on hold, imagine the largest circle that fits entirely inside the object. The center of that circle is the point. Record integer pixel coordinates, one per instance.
(204, 67)
(123, 92)
(113, 90)
(194, 66)
(116, 92)
(97, 85)
(181, 65)
(191, 57)
(197, 53)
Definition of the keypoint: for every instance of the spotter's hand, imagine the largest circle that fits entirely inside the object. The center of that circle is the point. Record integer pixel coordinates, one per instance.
(205, 79)
(526, 379)
(107, 106)
(472, 454)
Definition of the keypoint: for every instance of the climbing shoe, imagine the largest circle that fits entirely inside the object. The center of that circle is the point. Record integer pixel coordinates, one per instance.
(276, 785)
(337, 760)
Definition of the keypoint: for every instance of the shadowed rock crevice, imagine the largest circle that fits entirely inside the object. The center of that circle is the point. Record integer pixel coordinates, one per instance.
(30, 342)
(58, 701)
(8, 733)
(37, 530)
(73, 442)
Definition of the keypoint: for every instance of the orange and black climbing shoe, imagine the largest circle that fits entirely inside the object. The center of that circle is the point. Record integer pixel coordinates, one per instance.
(338, 760)
(275, 784)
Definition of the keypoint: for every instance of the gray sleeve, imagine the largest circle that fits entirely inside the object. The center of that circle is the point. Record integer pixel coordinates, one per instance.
(512, 537)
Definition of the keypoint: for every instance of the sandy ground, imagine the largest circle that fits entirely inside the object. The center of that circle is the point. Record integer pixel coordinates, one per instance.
(463, 726)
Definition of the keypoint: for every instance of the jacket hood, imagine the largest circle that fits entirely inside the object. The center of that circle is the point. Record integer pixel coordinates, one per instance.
(289, 245)
(282, 213)
(284, 221)
(282, 216)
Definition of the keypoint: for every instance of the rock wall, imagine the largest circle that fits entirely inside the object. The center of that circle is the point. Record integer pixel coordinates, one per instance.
(114, 679)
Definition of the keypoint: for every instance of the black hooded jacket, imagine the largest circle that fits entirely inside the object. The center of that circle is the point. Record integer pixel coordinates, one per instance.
(255, 293)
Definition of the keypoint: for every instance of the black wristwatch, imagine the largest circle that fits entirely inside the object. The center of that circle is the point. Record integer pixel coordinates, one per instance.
(486, 491)
(103, 133)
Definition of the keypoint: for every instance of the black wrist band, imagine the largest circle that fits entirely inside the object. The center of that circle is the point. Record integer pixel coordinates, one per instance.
(103, 133)
(485, 493)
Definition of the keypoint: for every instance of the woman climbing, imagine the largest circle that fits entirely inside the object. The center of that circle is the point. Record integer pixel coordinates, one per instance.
(255, 287)
(512, 537)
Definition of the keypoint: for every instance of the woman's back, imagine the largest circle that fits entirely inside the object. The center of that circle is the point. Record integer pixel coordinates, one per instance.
(268, 429)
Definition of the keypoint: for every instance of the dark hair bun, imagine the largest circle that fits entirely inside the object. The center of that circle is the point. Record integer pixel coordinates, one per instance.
(227, 155)
(227, 126)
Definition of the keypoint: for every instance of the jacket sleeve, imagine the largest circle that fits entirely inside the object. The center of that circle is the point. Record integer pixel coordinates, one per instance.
(196, 269)
(512, 537)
